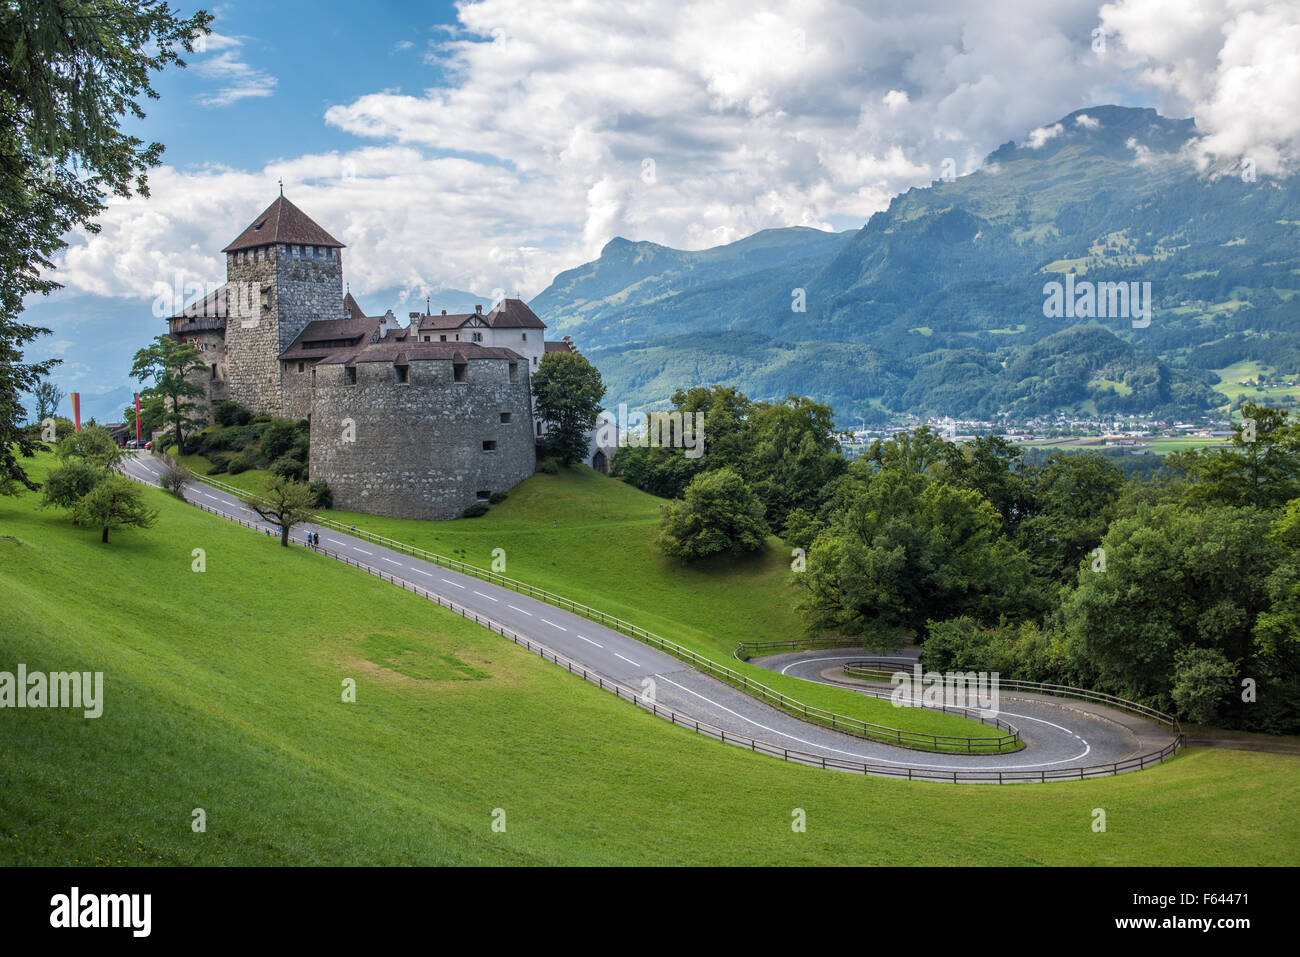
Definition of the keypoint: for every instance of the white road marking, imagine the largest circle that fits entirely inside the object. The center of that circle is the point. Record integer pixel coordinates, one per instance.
(389, 560)
(868, 757)
(450, 582)
(804, 661)
(488, 597)
(552, 624)
(528, 613)
(364, 552)
(590, 642)
(421, 571)
(628, 660)
(335, 541)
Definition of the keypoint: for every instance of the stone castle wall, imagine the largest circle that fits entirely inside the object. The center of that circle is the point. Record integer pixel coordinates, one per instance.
(295, 390)
(269, 302)
(415, 450)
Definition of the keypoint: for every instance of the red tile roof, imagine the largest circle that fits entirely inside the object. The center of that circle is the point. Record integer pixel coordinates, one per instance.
(283, 222)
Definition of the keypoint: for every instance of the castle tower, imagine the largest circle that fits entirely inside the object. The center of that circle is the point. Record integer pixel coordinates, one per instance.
(282, 272)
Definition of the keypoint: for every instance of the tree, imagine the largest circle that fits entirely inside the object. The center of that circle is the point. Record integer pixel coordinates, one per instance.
(285, 503)
(86, 459)
(1203, 680)
(1173, 579)
(567, 390)
(93, 445)
(48, 396)
(901, 551)
(67, 485)
(70, 72)
(719, 513)
(168, 362)
(113, 503)
(1261, 465)
(1070, 501)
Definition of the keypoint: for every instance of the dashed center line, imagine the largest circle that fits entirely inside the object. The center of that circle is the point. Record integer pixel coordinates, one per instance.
(389, 560)
(552, 624)
(364, 552)
(590, 642)
(450, 582)
(488, 597)
(421, 571)
(528, 613)
(628, 660)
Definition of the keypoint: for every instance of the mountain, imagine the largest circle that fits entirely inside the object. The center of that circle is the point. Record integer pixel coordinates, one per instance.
(937, 305)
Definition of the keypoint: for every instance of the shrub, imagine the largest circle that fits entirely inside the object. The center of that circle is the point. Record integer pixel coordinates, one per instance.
(324, 496)
(549, 466)
(228, 412)
(219, 466)
(289, 467)
(474, 511)
(496, 498)
(241, 463)
(278, 439)
(174, 478)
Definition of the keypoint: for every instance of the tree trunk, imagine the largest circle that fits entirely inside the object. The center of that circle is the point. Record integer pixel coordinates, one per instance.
(104, 538)
(284, 535)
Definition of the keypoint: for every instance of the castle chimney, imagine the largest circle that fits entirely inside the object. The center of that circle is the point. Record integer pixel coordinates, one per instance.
(478, 310)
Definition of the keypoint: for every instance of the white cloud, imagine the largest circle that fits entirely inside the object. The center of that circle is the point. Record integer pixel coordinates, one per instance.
(1232, 64)
(1087, 122)
(1042, 134)
(755, 114)
(234, 79)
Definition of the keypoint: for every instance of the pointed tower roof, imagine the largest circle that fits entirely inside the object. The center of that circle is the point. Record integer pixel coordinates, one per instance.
(283, 222)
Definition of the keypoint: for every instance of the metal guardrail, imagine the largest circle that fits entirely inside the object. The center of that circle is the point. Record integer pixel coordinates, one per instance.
(1009, 740)
(954, 775)
(883, 669)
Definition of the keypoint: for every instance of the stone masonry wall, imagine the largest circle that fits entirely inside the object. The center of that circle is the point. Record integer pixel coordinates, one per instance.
(295, 390)
(416, 449)
(270, 301)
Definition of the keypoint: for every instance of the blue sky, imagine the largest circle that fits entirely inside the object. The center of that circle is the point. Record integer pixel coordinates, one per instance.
(488, 145)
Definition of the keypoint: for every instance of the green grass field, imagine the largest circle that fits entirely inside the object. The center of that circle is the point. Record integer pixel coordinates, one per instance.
(223, 688)
(591, 539)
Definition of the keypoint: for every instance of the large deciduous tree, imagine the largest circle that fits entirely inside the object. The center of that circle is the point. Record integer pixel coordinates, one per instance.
(718, 514)
(70, 72)
(168, 363)
(567, 390)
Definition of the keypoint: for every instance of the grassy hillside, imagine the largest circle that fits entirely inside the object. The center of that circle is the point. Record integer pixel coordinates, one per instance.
(223, 692)
(591, 539)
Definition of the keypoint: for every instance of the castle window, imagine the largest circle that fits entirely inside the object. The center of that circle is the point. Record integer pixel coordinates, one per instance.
(426, 338)
(302, 367)
(402, 373)
(214, 371)
(489, 445)
(478, 337)
(525, 337)
(458, 371)
(505, 418)
(483, 494)
(442, 338)
(534, 360)
(514, 372)
(350, 375)
(539, 428)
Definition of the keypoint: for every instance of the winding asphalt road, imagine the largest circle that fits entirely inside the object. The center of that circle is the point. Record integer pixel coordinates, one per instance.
(1058, 734)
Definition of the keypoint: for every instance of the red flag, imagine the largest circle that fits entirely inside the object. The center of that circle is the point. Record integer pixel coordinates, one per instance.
(76, 409)
(137, 418)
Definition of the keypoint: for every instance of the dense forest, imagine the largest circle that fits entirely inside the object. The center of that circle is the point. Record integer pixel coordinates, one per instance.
(1178, 587)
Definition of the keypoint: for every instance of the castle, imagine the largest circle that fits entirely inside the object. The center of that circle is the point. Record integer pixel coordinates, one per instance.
(414, 420)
